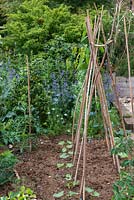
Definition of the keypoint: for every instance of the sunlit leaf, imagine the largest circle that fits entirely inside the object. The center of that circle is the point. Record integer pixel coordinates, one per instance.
(69, 142)
(60, 165)
(64, 156)
(68, 177)
(64, 150)
(96, 194)
(61, 143)
(69, 165)
(89, 190)
(70, 152)
(69, 146)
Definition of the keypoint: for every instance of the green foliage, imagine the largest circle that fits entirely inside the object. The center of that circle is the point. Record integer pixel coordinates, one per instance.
(51, 79)
(53, 70)
(23, 194)
(7, 162)
(27, 29)
(81, 5)
(6, 7)
(65, 156)
(123, 188)
(14, 116)
(69, 182)
(123, 145)
(115, 118)
(2, 13)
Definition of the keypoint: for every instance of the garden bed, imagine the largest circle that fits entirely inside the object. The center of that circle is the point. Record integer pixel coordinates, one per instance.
(38, 170)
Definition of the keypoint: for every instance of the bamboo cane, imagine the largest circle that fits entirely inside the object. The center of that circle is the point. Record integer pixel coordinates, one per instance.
(100, 87)
(29, 102)
(93, 79)
(87, 111)
(129, 70)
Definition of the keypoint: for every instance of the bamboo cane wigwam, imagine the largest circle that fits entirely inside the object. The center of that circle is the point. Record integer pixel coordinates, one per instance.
(92, 80)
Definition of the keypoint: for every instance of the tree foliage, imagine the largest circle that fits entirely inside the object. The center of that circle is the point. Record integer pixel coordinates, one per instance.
(34, 23)
(6, 7)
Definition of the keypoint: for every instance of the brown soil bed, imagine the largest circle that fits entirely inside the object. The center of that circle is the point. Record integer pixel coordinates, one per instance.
(38, 170)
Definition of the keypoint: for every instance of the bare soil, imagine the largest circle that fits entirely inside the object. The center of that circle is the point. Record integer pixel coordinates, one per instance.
(38, 170)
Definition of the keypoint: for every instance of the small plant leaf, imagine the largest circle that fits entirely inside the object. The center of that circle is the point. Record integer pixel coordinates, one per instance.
(64, 150)
(69, 142)
(96, 194)
(69, 165)
(68, 177)
(70, 152)
(59, 194)
(61, 143)
(89, 190)
(60, 165)
(75, 183)
(64, 156)
(123, 155)
(69, 146)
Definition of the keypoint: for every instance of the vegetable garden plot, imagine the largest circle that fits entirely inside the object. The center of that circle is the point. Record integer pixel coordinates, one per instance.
(40, 172)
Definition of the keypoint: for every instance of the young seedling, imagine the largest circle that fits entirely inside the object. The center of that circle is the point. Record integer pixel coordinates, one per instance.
(66, 152)
(71, 184)
(68, 177)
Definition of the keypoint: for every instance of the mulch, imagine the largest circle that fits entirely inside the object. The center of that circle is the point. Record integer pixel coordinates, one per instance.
(38, 170)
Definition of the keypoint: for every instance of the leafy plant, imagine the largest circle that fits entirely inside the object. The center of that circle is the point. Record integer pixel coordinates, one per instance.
(7, 163)
(68, 177)
(70, 183)
(23, 194)
(123, 188)
(65, 154)
(51, 95)
(123, 145)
